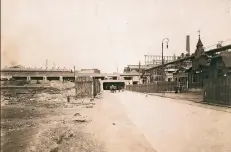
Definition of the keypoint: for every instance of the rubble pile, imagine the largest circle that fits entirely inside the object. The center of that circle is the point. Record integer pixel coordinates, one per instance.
(60, 136)
(42, 115)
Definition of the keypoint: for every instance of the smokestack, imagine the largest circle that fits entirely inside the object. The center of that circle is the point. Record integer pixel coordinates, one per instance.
(46, 63)
(188, 44)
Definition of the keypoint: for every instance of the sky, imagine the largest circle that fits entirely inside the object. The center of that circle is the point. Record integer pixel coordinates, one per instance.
(106, 34)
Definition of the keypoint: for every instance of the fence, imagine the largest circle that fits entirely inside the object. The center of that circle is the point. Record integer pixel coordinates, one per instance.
(218, 91)
(86, 87)
(155, 87)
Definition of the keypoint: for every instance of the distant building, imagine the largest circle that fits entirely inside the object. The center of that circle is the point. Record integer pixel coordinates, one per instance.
(89, 71)
(133, 74)
(131, 78)
(137, 68)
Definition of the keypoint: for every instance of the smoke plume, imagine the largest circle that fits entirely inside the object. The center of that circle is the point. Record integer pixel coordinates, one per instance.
(9, 53)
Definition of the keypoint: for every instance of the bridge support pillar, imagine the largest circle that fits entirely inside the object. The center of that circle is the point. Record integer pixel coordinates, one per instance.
(61, 78)
(28, 78)
(44, 78)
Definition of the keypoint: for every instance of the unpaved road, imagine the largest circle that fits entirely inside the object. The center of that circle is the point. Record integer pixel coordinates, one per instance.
(122, 121)
(112, 126)
(174, 126)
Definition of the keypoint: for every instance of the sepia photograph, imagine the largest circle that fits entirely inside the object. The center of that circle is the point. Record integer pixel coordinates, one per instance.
(115, 76)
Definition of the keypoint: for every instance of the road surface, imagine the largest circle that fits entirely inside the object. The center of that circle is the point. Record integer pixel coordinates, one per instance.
(117, 122)
(172, 126)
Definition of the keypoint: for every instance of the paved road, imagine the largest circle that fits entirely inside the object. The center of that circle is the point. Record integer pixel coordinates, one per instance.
(172, 126)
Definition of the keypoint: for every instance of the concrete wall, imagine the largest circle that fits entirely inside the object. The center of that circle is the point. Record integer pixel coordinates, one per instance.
(84, 87)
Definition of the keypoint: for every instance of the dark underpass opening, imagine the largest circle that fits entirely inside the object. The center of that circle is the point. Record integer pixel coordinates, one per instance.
(36, 78)
(119, 85)
(20, 78)
(52, 78)
(72, 79)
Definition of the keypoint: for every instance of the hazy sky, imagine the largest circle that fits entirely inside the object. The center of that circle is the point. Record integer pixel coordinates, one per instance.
(106, 33)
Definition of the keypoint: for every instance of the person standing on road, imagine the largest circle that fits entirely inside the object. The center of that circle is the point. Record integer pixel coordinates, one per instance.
(112, 88)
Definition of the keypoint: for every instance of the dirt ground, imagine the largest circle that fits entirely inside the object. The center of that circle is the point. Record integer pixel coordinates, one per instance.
(43, 121)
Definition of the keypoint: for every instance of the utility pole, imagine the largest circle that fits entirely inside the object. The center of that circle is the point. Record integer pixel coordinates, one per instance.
(162, 55)
(139, 67)
(139, 72)
(74, 71)
(75, 83)
(46, 63)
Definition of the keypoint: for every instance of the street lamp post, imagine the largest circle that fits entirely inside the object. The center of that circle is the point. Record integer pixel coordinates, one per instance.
(164, 40)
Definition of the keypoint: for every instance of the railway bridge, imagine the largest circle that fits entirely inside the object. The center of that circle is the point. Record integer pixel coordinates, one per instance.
(106, 79)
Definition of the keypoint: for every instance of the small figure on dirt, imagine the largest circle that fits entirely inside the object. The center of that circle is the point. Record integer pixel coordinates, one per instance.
(68, 99)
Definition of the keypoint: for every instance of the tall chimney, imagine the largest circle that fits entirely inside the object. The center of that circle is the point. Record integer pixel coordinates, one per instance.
(188, 44)
(46, 63)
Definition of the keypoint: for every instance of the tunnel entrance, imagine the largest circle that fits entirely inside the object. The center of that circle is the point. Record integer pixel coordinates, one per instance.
(106, 85)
